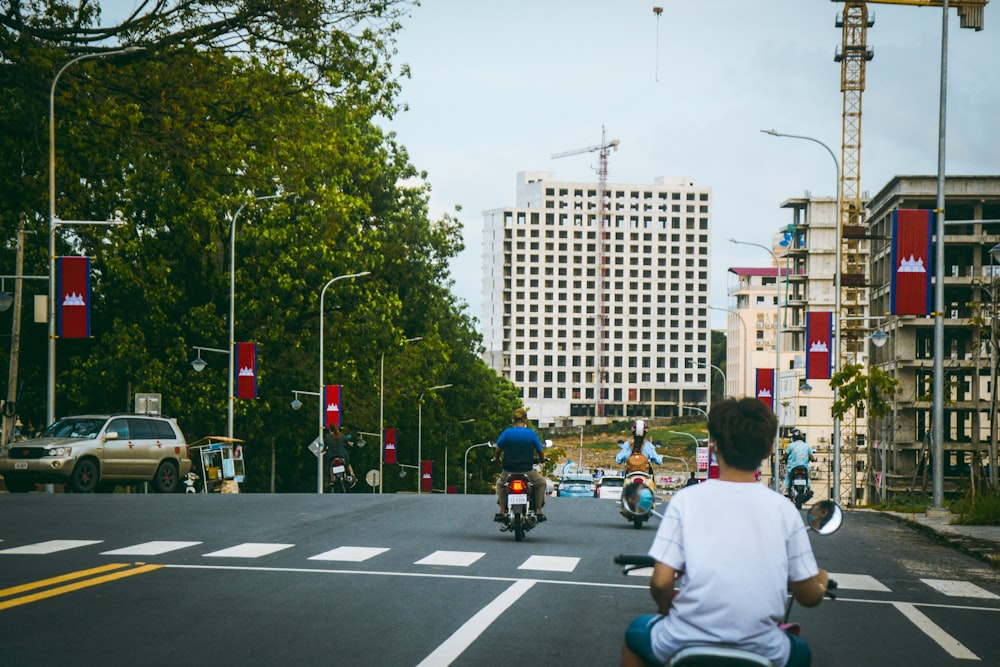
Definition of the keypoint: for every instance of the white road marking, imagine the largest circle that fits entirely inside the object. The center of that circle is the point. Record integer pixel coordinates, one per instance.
(550, 563)
(959, 589)
(858, 582)
(454, 646)
(154, 548)
(641, 572)
(451, 558)
(350, 554)
(248, 550)
(954, 647)
(52, 546)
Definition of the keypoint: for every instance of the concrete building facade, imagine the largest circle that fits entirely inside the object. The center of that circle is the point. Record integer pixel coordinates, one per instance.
(542, 263)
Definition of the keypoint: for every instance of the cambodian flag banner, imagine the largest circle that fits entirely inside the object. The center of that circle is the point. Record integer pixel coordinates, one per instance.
(819, 338)
(910, 287)
(331, 403)
(73, 294)
(246, 370)
(426, 468)
(765, 386)
(389, 452)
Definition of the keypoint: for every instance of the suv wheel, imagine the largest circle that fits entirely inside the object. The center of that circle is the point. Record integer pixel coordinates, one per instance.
(165, 479)
(85, 476)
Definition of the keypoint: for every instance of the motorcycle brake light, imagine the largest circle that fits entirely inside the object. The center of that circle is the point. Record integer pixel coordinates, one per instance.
(518, 486)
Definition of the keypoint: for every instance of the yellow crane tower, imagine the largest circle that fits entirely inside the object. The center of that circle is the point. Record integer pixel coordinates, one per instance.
(853, 56)
(603, 149)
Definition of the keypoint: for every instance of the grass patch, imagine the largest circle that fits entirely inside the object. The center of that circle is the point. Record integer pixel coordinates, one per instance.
(980, 510)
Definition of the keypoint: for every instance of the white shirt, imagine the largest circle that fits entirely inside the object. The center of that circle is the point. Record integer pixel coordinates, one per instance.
(738, 545)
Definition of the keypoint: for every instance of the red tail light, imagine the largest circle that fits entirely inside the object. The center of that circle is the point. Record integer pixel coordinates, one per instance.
(518, 486)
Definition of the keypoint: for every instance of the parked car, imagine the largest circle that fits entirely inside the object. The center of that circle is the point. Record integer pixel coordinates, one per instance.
(576, 486)
(91, 452)
(610, 487)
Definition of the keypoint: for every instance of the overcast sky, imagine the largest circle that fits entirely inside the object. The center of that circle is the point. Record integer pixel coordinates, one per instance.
(498, 87)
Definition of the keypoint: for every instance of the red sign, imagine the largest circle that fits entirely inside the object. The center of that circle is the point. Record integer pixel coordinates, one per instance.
(331, 401)
(426, 467)
(73, 294)
(819, 339)
(246, 370)
(765, 386)
(389, 451)
(910, 287)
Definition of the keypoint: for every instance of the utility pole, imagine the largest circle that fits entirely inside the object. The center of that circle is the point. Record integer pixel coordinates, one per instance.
(15, 341)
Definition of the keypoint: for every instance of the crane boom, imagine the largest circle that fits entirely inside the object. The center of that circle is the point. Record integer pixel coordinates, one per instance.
(601, 316)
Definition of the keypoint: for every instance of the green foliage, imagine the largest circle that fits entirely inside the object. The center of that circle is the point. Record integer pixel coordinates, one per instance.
(982, 509)
(858, 389)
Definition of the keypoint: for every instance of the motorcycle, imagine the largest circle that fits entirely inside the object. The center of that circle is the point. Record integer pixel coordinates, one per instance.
(340, 480)
(824, 518)
(799, 491)
(638, 499)
(521, 516)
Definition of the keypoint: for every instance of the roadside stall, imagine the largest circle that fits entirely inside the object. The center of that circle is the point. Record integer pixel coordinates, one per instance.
(218, 461)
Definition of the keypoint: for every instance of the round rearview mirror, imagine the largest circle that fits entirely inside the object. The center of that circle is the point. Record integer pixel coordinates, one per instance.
(825, 517)
(637, 498)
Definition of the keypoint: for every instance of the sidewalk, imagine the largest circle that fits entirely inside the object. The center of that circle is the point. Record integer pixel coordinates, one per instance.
(982, 542)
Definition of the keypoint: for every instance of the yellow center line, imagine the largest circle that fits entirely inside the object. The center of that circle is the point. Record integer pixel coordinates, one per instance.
(5, 592)
(52, 592)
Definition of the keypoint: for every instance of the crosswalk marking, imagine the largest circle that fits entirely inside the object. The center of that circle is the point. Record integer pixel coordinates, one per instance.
(154, 548)
(49, 547)
(350, 554)
(858, 582)
(954, 647)
(451, 558)
(248, 550)
(550, 563)
(959, 589)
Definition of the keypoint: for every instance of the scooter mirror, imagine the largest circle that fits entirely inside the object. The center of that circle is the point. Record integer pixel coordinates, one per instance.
(638, 499)
(825, 517)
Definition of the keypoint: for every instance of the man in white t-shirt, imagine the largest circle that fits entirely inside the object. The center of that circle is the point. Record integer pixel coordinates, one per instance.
(731, 549)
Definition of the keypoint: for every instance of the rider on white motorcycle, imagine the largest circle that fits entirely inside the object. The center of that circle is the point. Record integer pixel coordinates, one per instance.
(518, 448)
(726, 554)
(797, 454)
(639, 444)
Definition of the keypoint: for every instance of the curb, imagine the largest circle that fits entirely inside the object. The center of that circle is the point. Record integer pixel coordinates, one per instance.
(986, 551)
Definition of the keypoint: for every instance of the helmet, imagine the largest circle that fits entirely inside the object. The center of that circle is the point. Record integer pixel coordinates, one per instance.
(797, 434)
(639, 428)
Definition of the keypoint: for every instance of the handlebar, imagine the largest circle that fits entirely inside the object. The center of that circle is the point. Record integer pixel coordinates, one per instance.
(831, 589)
(639, 560)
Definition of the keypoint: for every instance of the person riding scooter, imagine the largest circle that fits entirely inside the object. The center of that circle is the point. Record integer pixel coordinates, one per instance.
(797, 454)
(639, 446)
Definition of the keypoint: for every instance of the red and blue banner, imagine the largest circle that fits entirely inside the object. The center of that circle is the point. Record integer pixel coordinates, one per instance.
(765, 386)
(426, 470)
(389, 451)
(819, 342)
(73, 297)
(246, 370)
(910, 287)
(331, 405)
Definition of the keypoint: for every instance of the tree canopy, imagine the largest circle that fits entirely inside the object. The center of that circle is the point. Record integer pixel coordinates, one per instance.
(253, 121)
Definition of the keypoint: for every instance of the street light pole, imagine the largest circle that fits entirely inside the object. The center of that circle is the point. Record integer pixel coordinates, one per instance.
(54, 222)
(232, 310)
(776, 389)
(746, 345)
(420, 409)
(465, 468)
(381, 414)
(322, 398)
(836, 305)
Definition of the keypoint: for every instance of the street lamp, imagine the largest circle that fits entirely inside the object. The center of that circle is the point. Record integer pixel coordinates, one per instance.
(420, 407)
(776, 389)
(322, 402)
(465, 468)
(199, 364)
(691, 407)
(297, 404)
(702, 364)
(836, 307)
(381, 412)
(55, 222)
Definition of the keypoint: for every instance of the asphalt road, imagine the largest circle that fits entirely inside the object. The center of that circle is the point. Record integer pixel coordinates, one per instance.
(418, 580)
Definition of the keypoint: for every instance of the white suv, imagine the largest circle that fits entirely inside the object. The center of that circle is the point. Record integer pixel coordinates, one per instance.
(92, 451)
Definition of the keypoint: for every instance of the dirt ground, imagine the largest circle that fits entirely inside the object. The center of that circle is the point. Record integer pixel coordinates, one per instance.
(599, 452)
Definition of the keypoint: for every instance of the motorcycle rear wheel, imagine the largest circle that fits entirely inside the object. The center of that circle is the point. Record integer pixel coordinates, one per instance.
(518, 526)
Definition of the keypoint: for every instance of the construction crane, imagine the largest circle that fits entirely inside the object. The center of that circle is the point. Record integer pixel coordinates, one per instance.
(602, 149)
(853, 57)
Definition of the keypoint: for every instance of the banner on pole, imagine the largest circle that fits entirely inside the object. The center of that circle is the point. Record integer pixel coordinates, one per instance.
(246, 370)
(910, 286)
(73, 294)
(426, 468)
(389, 451)
(765, 386)
(819, 338)
(331, 401)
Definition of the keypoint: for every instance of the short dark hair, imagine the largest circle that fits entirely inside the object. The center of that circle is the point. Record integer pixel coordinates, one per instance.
(743, 431)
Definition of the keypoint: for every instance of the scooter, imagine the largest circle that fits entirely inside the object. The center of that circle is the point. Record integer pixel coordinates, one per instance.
(521, 516)
(638, 499)
(824, 518)
(340, 481)
(799, 491)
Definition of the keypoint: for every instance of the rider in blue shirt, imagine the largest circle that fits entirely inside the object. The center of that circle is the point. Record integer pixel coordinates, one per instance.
(639, 429)
(798, 453)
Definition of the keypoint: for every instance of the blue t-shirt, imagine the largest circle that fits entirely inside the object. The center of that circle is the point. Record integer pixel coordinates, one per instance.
(519, 444)
(798, 454)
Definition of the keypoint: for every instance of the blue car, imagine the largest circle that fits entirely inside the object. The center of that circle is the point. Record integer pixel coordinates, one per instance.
(576, 486)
